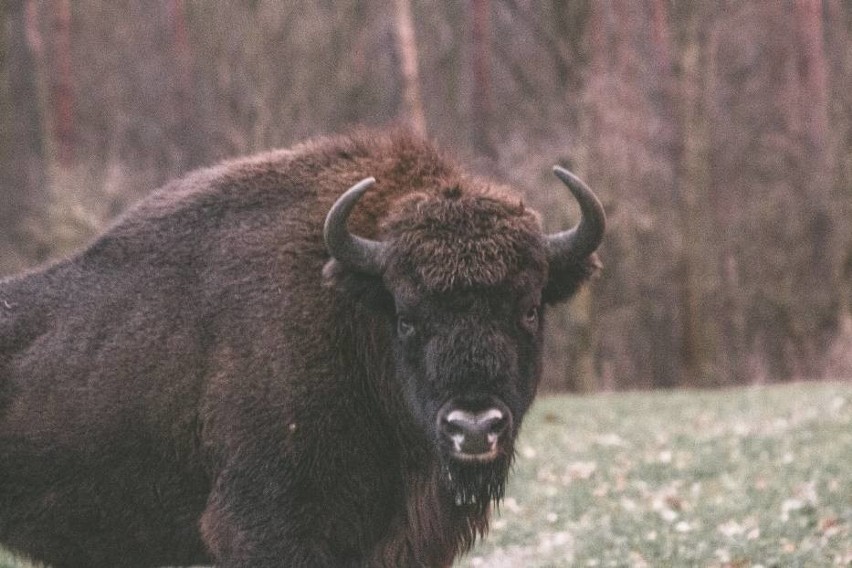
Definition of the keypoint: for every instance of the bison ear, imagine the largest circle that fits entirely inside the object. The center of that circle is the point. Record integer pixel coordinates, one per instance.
(368, 289)
(566, 277)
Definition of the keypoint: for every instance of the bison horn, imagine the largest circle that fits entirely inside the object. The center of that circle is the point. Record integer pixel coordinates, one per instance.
(584, 239)
(363, 255)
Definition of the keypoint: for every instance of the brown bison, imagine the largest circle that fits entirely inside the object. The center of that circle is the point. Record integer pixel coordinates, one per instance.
(220, 379)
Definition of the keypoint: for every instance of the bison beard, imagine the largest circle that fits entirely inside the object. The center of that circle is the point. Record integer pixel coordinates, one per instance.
(229, 375)
(476, 485)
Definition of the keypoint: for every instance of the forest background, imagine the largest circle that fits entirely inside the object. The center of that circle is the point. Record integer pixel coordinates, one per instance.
(717, 134)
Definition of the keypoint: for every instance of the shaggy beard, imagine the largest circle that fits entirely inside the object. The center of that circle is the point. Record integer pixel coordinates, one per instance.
(476, 485)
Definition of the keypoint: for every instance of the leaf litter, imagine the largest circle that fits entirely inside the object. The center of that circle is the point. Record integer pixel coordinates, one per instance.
(738, 478)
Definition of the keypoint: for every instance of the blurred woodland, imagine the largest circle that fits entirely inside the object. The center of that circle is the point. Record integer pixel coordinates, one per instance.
(718, 135)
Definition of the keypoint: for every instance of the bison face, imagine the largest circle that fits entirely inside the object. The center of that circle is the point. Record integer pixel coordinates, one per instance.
(463, 271)
(469, 364)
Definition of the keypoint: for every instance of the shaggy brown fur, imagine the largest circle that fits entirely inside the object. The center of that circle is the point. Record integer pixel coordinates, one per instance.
(195, 387)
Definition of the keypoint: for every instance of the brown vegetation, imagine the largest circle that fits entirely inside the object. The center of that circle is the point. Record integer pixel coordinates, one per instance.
(718, 134)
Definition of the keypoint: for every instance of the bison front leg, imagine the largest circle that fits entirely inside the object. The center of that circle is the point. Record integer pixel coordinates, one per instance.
(254, 519)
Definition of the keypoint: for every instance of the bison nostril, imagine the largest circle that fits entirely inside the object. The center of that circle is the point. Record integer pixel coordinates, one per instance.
(497, 426)
(452, 427)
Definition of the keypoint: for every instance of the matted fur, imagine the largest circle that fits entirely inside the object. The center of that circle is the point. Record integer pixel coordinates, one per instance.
(463, 239)
(204, 384)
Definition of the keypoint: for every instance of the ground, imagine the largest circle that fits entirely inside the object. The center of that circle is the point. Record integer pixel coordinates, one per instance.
(736, 478)
(729, 479)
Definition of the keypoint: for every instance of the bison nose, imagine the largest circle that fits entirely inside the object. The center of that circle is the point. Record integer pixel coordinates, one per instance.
(474, 435)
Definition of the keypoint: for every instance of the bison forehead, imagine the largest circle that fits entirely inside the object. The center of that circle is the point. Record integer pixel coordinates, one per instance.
(450, 242)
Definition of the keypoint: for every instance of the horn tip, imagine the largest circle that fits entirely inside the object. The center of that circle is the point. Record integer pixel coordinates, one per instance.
(563, 173)
(363, 185)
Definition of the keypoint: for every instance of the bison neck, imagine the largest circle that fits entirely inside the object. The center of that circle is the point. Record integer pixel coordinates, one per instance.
(431, 528)
(438, 509)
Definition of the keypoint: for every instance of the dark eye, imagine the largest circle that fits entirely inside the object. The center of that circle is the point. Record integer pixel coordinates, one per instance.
(530, 319)
(404, 327)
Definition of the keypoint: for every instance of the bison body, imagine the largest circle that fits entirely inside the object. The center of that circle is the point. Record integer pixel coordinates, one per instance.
(212, 382)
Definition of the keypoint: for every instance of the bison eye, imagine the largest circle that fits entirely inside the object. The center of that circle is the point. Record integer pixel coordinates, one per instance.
(530, 319)
(404, 327)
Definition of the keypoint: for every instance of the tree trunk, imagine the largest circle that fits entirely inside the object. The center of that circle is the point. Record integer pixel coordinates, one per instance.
(62, 90)
(186, 131)
(693, 187)
(22, 175)
(819, 280)
(407, 43)
(482, 103)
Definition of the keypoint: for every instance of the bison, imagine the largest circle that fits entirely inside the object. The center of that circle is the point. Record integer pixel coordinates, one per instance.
(251, 369)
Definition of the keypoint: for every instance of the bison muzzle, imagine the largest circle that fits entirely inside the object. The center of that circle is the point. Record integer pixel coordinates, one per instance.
(251, 369)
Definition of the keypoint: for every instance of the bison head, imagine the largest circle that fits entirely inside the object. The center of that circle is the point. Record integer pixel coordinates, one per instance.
(465, 272)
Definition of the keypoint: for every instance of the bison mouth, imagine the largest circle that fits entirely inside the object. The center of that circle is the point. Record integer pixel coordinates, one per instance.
(476, 484)
(475, 439)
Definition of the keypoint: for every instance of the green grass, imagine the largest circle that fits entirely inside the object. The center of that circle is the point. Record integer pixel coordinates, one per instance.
(6, 561)
(734, 479)
(737, 478)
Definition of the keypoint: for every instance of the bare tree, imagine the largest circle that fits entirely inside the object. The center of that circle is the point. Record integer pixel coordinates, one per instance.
(62, 88)
(717, 135)
(22, 172)
(700, 338)
(481, 104)
(410, 75)
(818, 276)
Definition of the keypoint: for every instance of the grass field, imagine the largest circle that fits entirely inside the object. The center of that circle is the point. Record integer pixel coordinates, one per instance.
(735, 479)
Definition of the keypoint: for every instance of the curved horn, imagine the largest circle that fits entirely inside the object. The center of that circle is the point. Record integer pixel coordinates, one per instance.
(585, 238)
(351, 250)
